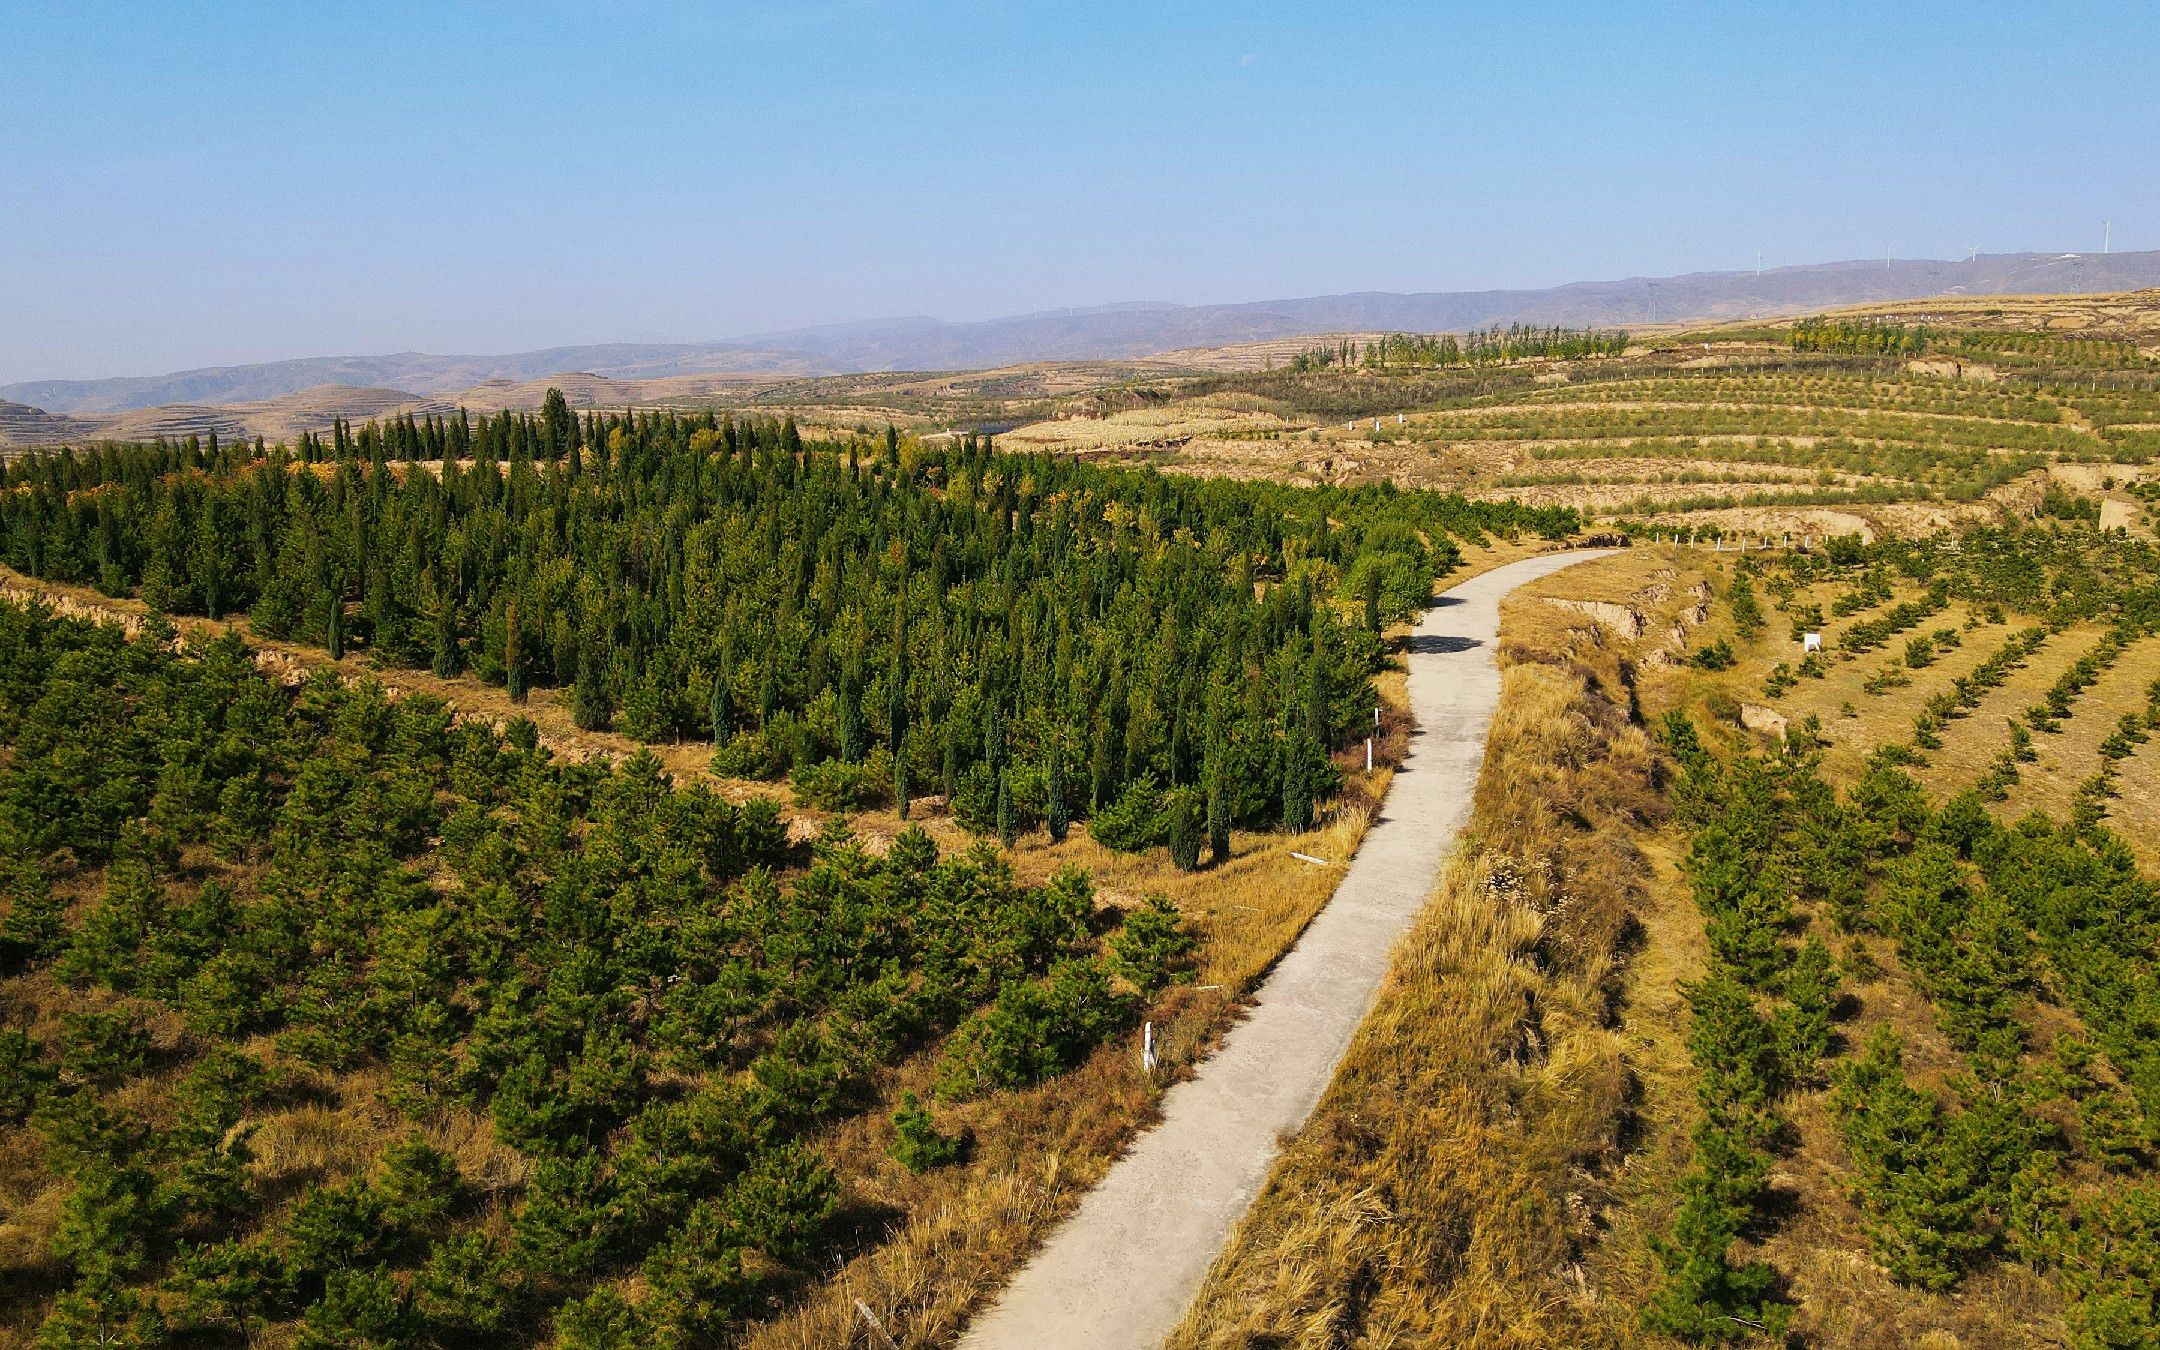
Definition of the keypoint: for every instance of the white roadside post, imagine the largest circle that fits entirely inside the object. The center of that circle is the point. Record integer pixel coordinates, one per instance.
(1368, 754)
(1147, 1047)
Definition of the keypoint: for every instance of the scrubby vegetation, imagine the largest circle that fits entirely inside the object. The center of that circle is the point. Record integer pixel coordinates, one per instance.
(1862, 414)
(2021, 1138)
(1768, 844)
(566, 1032)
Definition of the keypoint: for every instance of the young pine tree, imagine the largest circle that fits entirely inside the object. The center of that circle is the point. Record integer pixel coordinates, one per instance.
(918, 1145)
(1184, 818)
(591, 708)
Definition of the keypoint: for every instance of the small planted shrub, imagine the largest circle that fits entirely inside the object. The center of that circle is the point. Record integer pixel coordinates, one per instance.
(918, 1144)
(1154, 948)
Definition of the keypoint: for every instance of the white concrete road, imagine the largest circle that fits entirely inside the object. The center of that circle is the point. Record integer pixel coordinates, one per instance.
(1121, 1272)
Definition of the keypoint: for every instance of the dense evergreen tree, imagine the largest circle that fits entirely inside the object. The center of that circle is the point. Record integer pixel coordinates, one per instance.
(796, 602)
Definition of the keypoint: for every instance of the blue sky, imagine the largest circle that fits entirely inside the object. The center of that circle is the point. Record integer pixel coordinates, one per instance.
(195, 184)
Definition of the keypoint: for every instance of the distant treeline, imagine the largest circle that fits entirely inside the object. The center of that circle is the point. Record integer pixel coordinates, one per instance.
(1037, 638)
(1866, 337)
(1878, 337)
(1478, 347)
(2053, 349)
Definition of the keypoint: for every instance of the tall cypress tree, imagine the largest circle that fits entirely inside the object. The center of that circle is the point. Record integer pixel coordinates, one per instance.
(1055, 814)
(720, 714)
(851, 721)
(558, 421)
(1297, 777)
(1296, 793)
(513, 665)
(591, 708)
(1215, 774)
(334, 625)
(1316, 695)
(896, 689)
(448, 659)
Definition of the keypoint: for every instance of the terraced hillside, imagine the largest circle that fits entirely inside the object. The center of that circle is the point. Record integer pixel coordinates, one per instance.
(1741, 436)
(1777, 993)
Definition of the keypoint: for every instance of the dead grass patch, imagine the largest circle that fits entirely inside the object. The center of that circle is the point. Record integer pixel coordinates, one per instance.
(1449, 1183)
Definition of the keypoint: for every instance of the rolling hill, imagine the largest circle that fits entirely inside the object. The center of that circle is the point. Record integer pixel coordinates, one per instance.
(1129, 330)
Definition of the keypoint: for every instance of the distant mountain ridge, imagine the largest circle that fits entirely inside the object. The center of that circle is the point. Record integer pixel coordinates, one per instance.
(410, 372)
(1131, 329)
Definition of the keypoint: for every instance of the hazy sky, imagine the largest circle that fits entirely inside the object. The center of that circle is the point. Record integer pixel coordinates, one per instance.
(196, 184)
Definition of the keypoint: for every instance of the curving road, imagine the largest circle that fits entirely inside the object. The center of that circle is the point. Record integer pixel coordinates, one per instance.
(1120, 1273)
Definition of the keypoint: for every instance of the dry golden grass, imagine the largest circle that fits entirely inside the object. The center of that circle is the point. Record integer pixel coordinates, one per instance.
(1450, 1178)
(2134, 811)
(2071, 755)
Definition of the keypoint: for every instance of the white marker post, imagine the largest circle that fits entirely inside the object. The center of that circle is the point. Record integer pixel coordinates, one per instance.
(1147, 1048)
(1368, 754)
